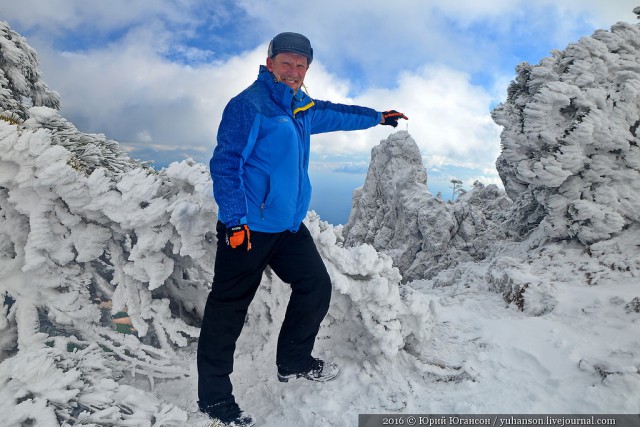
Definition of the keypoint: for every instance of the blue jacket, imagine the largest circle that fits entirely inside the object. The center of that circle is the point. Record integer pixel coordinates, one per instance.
(260, 165)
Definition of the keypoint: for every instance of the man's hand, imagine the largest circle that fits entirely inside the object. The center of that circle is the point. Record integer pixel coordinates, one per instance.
(391, 117)
(239, 236)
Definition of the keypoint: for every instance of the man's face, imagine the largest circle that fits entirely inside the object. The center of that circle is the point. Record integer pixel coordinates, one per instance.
(289, 68)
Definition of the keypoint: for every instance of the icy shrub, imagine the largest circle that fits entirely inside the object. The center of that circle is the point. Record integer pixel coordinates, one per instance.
(53, 386)
(83, 224)
(633, 306)
(520, 286)
(368, 309)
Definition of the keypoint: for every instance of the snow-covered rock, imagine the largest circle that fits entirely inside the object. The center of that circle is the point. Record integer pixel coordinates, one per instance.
(570, 159)
(571, 164)
(395, 213)
(561, 250)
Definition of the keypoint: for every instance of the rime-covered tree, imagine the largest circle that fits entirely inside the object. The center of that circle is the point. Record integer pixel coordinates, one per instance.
(570, 157)
(20, 77)
(83, 226)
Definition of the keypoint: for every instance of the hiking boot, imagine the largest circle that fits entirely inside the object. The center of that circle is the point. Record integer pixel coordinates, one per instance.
(320, 371)
(227, 414)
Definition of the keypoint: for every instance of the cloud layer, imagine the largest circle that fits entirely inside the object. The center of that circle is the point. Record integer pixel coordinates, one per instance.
(156, 75)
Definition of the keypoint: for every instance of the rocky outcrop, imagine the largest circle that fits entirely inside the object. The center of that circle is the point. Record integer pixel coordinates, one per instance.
(395, 212)
(570, 159)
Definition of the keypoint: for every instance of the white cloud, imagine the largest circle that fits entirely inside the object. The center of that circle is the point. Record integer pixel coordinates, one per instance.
(144, 136)
(375, 40)
(448, 117)
(134, 95)
(60, 16)
(415, 56)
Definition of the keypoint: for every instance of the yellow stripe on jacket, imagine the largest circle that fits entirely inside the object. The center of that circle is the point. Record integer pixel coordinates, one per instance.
(303, 108)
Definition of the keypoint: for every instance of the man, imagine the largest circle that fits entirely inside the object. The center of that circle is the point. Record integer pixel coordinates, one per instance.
(261, 185)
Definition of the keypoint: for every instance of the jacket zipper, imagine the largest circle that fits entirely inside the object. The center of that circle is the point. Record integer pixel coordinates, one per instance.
(299, 128)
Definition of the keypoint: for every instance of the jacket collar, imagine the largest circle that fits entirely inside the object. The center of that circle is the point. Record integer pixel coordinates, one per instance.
(283, 94)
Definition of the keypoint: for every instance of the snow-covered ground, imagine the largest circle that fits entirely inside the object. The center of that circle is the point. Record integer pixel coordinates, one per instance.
(484, 357)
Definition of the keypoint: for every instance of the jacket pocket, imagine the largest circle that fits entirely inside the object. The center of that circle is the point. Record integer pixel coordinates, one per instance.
(268, 197)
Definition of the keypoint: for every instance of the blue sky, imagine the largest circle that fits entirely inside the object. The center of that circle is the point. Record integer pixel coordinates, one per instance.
(155, 75)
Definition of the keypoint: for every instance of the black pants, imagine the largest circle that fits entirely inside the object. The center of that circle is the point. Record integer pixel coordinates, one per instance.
(237, 275)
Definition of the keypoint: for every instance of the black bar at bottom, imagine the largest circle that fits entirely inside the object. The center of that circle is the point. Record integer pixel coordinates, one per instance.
(498, 420)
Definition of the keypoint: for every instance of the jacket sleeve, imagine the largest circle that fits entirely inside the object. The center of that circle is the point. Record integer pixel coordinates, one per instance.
(329, 117)
(237, 135)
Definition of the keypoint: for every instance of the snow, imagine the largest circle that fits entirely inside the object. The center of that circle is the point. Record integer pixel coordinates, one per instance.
(483, 357)
(524, 301)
